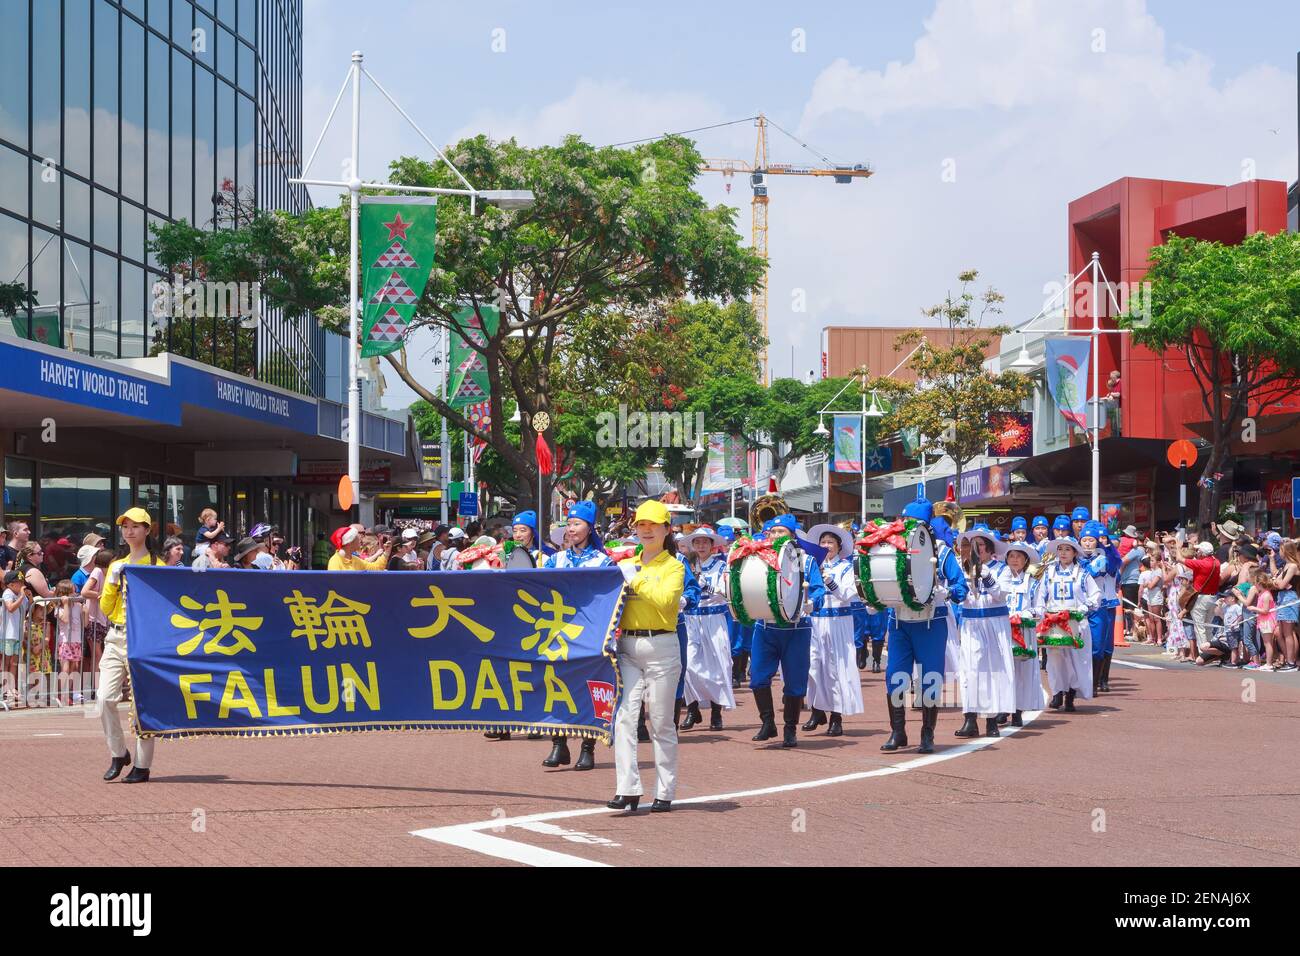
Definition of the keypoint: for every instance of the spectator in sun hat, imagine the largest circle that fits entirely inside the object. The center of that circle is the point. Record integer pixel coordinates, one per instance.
(85, 558)
(246, 553)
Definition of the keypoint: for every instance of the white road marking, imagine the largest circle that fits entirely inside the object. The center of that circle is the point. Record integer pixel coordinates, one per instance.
(1144, 667)
(47, 735)
(470, 836)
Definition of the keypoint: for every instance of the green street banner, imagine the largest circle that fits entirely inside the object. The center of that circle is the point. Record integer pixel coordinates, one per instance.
(737, 461)
(469, 377)
(397, 237)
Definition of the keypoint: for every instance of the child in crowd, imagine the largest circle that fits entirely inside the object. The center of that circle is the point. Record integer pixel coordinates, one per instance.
(38, 642)
(209, 528)
(13, 606)
(1265, 608)
(1177, 578)
(1151, 590)
(68, 646)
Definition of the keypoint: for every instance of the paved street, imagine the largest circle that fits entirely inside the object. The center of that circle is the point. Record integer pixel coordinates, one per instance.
(1150, 774)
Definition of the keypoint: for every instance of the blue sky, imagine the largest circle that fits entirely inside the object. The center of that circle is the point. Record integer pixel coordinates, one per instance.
(981, 119)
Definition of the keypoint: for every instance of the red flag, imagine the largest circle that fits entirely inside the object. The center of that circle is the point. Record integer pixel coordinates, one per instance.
(544, 461)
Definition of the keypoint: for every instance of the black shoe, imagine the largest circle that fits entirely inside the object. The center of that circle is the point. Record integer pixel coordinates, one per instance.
(875, 667)
(504, 735)
(766, 713)
(862, 658)
(115, 770)
(969, 728)
(1017, 720)
(929, 719)
(587, 757)
(1096, 679)
(791, 738)
(1105, 673)
(661, 806)
(559, 755)
(692, 716)
(991, 727)
(1003, 718)
(137, 775)
(536, 735)
(816, 720)
(836, 729)
(624, 803)
(897, 726)
(715, 717)
(1057, 700)
(1069, 702)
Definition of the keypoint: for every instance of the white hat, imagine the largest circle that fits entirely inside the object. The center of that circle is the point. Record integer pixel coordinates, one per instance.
(1205, 549)
(846, 540)
(456, 533)
(1057, 543)
(999, 547)
(410, 534)
(558, 532)
(685, 541)
(1028, 550)
(86, 553)
(349, 535)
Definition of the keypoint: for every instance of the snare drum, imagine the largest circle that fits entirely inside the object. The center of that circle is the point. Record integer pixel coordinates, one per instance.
(518, 558)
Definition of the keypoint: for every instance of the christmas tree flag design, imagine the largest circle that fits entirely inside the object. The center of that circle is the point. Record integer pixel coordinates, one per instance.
(397, 254)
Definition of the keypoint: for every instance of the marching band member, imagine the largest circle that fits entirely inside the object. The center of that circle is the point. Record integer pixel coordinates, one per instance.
(1042, 531)
(985, 670)
(1060, 529)
(524, 533)
(741, 637)
(1069, 594)
(788, 645)
(649, 660)
(135, 525)
(833, 682)
(921, 637)
(708, 638)
(690, 600)
(1019, 528)
(991, 559)
(1102, 560)
(1078, 518)
(1024, 601)
(584, 550)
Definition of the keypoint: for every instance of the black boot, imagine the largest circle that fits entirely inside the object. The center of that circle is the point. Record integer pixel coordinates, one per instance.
(587, 758)
(735, 671)
(621, 802)
(137, 775)
(991, 727)
(1017, 720)
(897, 726)
(742, 665)
(502, 735)
(876, 648)
(792, 708)
(766, 713)
(929, 720)
(816, 720)
(862, 657)
(1057, 700)
(1105, 672)
(559, 755)
(969, 728)
(115, 769)
(692, 716)
(836, 729)
(1069, 701)
(715, 717)
(1003, 718)
(1096, 677)
(642, 731)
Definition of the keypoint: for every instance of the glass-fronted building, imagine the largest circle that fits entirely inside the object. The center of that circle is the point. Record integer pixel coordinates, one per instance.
(116, 115)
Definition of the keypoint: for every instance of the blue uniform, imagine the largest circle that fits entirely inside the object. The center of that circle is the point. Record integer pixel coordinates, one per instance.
(691, 597)
(787, 645)
(588, 557)
(1102, 565)
(923, 641)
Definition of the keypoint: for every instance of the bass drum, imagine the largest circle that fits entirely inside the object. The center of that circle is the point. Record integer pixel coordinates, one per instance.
(519, 559)
(758, 581)
(881, 568)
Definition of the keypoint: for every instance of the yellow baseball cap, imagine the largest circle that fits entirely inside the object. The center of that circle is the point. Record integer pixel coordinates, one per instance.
(655, 511)
(138, 515)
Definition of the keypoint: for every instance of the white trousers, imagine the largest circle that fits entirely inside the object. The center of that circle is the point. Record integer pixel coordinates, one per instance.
(649, 668)
(112, 678)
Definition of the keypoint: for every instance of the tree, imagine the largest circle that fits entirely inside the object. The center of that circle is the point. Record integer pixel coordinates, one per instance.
(954, 395)
(1232, 311)
(14, 296)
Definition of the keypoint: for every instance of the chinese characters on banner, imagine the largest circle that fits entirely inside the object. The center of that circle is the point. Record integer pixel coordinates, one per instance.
(246, 652)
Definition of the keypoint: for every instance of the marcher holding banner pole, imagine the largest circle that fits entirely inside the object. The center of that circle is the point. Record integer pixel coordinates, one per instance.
(135, 526)
(649, 660)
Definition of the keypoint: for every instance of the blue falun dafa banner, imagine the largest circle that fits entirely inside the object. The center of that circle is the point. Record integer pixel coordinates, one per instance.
(258, 653)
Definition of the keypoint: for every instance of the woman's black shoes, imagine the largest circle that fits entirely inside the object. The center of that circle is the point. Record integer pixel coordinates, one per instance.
(836, 728)
(587, 758)
(715, 717)
(559, 755)
(816, 720)
(1003, 718)
(503, 735)
(624, 803)
(1069, 701)
(1057, 700)
(661, 806)
(991, 727)
(970, 727)
(1017, 720)
(137, 775)
(114, 771)
(693, 716)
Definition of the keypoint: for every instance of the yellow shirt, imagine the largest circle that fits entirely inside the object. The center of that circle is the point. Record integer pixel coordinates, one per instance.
(656, 592)
(112, 603)
(347, 562)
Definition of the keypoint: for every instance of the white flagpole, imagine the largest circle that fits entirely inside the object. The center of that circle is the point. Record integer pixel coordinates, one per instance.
(354, 385)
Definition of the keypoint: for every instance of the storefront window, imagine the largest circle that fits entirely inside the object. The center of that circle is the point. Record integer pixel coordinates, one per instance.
(18, 489)
(185, 502)
(74, 503)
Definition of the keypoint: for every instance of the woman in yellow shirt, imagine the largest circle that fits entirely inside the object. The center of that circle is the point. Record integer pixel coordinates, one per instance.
(649, 660)
(135, 527)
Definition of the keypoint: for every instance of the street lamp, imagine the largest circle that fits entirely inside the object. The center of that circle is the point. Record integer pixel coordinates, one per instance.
(508, 199)
(820, 431)
(1023, 362)
(697, 451)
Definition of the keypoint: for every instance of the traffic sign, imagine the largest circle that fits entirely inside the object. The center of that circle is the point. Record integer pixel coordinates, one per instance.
(468, 504)
(1182, 452)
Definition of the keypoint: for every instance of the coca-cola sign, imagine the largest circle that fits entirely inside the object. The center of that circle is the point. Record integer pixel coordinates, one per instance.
(1277, 494)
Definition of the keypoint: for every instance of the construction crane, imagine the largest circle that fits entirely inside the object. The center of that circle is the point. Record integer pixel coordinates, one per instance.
(758, 172)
